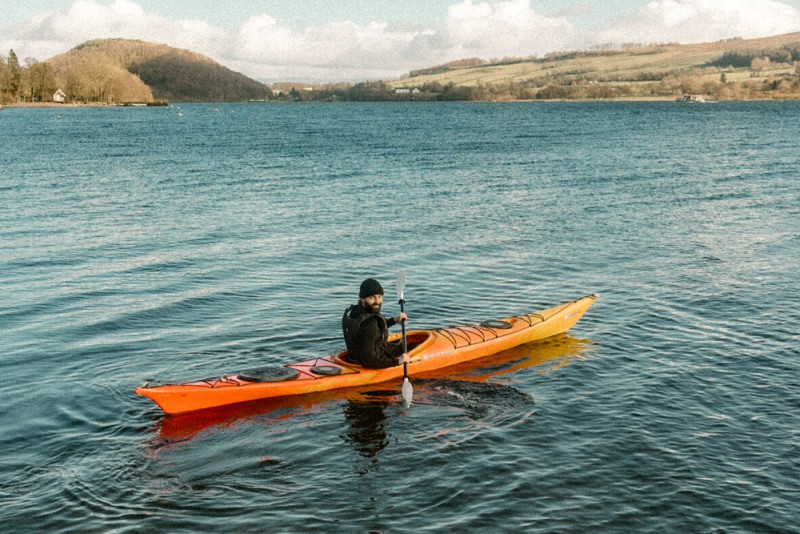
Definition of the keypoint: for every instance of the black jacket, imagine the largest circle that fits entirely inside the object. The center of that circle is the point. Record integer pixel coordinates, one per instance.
(366, 336)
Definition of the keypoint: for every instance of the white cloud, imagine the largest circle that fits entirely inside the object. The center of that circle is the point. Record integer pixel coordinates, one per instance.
(695, 21)
(45, 36)
(505, 28)
(336, 51)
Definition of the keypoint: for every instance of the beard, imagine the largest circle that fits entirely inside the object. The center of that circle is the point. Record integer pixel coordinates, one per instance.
(374, 308)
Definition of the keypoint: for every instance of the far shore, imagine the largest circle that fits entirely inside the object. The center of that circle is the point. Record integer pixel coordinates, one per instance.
(56, 105)
(162, 104)
(80, 104)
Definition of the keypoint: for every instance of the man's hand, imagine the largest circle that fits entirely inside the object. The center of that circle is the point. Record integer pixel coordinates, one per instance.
(403, 359)
(401, 318)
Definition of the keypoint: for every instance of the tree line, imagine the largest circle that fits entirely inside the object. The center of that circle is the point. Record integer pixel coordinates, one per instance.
(28, 81)
(788, 54)
(381, 91)
(668, 85)
(90, 78)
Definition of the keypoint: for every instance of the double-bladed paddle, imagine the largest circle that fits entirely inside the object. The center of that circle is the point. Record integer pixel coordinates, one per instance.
(408, 389)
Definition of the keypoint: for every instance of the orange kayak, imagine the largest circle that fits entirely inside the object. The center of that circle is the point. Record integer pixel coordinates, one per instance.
(428, 350)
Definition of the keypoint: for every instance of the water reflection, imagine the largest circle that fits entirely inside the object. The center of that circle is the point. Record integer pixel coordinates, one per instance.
(366, 423)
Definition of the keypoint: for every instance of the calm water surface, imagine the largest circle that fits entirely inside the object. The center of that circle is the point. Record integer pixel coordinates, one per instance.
(197, 240)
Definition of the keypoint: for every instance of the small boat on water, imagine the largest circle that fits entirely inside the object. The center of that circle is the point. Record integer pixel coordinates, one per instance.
(428, 350)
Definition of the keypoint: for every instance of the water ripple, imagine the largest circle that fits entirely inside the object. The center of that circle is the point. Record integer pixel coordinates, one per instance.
(141, 244)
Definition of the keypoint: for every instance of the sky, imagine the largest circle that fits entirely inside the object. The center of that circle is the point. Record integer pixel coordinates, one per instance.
(356, 40)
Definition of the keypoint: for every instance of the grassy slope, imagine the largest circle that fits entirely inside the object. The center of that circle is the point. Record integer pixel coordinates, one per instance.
(620, 66)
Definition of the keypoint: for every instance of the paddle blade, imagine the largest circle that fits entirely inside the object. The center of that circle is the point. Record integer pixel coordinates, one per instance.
(401, 284)
(408, 392)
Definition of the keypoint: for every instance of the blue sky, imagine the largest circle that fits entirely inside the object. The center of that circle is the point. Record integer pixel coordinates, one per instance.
(324, 40)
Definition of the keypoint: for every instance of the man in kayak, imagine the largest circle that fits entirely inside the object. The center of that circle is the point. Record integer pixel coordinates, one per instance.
(366, 331)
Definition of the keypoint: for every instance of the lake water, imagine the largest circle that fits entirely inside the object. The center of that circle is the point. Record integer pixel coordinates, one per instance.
(195, 240)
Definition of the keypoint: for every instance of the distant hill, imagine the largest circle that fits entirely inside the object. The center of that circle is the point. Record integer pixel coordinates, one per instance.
(122, 70)
(752, 68)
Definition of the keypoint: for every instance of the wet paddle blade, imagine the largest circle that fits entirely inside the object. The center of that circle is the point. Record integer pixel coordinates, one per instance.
(408, 392)
(401, 284)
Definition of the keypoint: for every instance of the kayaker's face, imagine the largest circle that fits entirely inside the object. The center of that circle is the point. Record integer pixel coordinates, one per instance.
(374, 303)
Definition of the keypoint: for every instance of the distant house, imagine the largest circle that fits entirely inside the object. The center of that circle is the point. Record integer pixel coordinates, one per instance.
(59, 96)
(689, 97)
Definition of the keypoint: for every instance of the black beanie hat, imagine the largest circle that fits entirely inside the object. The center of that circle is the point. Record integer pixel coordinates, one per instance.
(370, 287)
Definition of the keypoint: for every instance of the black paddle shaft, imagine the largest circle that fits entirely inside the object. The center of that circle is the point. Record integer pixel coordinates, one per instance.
(405, 347)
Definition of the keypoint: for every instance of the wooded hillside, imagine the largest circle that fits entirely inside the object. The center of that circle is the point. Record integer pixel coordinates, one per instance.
(121, 70)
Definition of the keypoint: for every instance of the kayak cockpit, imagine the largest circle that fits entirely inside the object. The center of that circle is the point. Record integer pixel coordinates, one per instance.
(416, 341)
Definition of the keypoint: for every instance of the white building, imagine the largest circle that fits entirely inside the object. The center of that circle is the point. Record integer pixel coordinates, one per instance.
(59, 96)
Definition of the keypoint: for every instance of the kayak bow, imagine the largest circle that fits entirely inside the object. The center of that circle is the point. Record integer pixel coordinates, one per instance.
(427, 350)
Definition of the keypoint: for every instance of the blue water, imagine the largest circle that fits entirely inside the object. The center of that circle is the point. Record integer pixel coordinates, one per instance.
(191, 241)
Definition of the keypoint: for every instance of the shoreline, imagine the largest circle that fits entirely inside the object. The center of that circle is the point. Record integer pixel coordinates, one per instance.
(56, 105)
(50, 105)
(156, 103)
